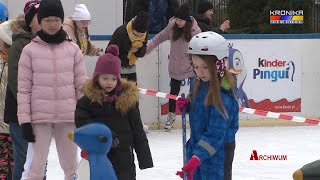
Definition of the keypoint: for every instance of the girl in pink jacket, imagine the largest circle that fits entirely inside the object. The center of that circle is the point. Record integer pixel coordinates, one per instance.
(51, 73)
(179, 31)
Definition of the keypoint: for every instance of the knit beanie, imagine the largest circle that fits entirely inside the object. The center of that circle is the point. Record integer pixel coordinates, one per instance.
(31, 8)
(50, 8)
(3, 12)
(140, 22)
(81, 13)
(183, 12)
(5, 32)
(109, 63)
(204, 6)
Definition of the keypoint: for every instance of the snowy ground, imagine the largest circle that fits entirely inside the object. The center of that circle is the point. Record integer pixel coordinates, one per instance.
(300, 144)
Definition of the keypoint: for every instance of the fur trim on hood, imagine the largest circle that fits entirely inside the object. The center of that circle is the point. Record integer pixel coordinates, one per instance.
(18, 26)
(128, 98)
(68, 21)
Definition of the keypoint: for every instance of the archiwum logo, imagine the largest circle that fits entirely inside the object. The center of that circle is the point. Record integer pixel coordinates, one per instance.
(272, 157)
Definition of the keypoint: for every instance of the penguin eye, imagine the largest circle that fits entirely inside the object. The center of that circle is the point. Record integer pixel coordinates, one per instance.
(237, 62)
(103, 139)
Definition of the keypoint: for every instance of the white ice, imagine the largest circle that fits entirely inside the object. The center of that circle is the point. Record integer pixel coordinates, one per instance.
(301, 145)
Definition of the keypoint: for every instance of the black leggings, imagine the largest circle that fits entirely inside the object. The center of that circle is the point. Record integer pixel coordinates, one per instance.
(174, 89)
(229, 154)
(130, 77)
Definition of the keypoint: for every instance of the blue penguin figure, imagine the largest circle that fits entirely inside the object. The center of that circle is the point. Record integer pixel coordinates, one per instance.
(239, 71)
(96, 139)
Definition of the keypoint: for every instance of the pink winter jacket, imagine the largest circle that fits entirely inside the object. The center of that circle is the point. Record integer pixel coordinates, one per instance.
(179, 62)
(50, 77)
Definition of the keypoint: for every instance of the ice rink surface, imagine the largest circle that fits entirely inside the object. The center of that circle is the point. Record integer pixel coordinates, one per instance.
(301, 145)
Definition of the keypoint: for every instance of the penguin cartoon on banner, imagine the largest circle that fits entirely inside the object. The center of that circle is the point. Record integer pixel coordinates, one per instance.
(239, 71)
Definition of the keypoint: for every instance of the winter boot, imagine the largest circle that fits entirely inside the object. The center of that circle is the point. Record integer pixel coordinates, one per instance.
(170, 120)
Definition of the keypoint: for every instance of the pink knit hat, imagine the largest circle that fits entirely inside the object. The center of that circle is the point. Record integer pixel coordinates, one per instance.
(109, 63)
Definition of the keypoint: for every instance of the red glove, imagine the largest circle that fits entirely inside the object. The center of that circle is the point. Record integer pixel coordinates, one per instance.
(182, 103)
(190, 167)
(84, 154)
(180, 173)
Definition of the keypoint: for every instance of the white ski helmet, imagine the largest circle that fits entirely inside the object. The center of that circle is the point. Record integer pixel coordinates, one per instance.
(209, 43)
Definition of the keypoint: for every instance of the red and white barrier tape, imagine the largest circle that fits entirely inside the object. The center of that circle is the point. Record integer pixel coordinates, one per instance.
(158, 94)
(242, 109)
(279, 116)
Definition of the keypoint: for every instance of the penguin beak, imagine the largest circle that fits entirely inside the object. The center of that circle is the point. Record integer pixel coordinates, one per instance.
(233, 71)
(71, 135)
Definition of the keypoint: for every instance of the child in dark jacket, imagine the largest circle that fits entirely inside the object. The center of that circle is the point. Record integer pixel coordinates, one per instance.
(204, 17)
(114, 101)
(131, 38)
(214, 110)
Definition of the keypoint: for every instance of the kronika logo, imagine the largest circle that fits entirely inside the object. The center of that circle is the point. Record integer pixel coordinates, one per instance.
(272, 157)
(285, 69)
(286, 17)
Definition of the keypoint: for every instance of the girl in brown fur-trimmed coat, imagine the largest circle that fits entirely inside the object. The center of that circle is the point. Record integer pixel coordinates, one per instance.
(114, 102)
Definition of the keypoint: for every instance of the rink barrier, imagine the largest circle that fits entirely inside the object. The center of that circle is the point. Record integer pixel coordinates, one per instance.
(233, 36)
(241, 109)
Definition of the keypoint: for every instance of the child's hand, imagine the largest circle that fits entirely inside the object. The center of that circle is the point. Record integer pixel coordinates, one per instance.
(133, 49)
(27, 132)
(190, 167)
(225, 25)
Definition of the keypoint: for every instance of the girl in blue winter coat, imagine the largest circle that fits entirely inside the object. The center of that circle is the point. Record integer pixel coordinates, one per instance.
(213, 111)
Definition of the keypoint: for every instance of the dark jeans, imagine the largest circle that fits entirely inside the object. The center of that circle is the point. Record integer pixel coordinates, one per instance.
(229, 155)
(174, 89)
(20, 147)
(130, 77)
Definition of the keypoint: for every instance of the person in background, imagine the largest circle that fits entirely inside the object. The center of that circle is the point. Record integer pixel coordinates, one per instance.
(23, 29)
(6, 147)
(180, 29)
(131, 38)
(160, 11)
(77, 29)
(213, 110)
(51, 73)
(205, 17)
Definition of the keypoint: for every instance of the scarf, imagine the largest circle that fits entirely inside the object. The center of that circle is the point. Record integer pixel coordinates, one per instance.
(57, 38)
(112, 96)
(136, 42)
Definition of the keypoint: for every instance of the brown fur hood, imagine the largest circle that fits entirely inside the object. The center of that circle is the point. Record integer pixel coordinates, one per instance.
(18, 25)
(128, 98)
